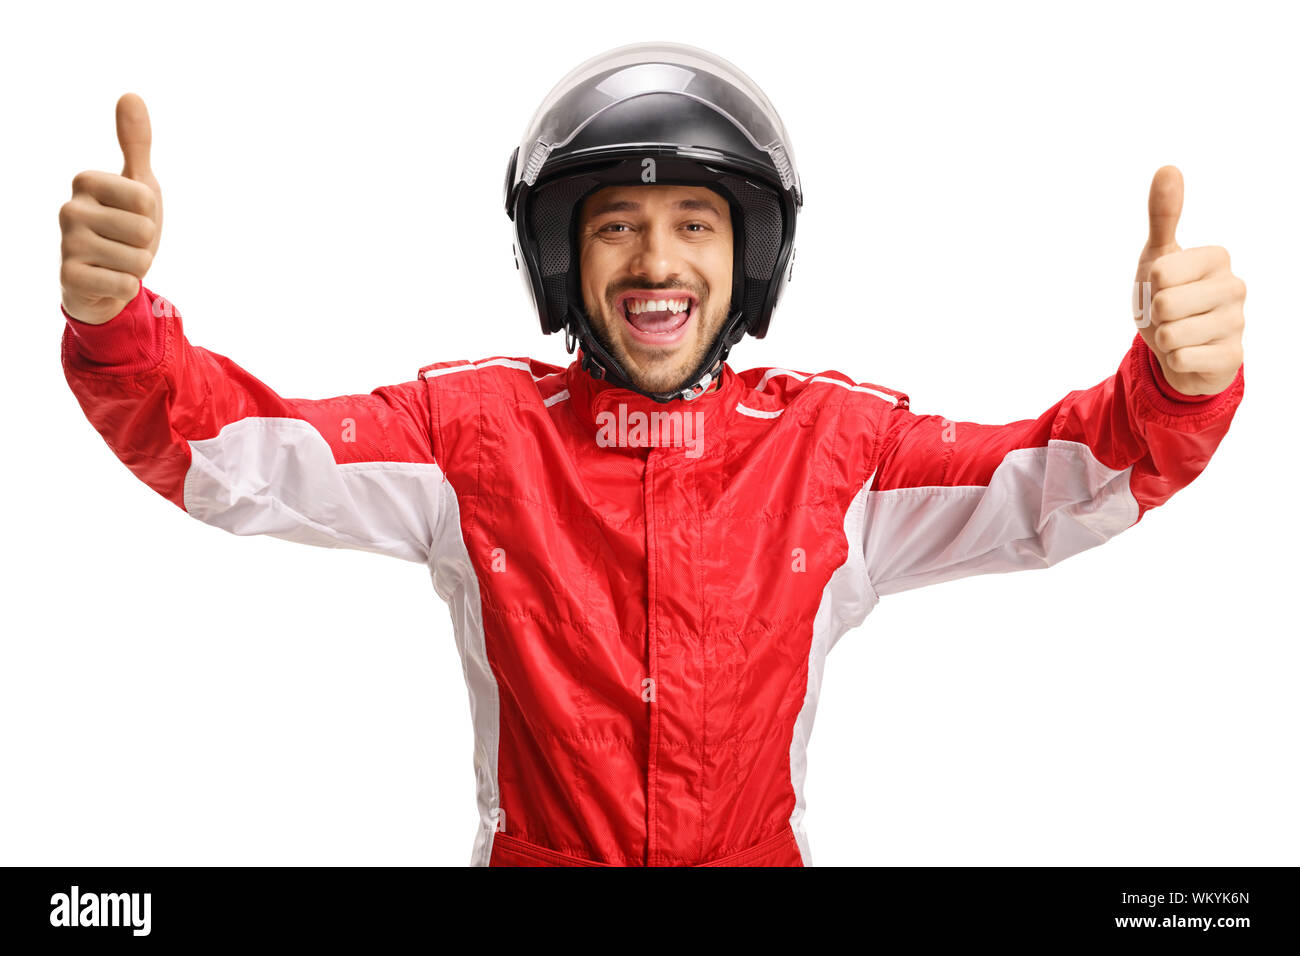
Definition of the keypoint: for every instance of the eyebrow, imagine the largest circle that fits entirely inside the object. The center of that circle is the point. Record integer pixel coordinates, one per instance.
(631, 205)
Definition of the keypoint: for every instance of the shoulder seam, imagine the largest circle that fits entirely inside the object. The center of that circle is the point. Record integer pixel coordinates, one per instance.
(893, 396)
(447, 368)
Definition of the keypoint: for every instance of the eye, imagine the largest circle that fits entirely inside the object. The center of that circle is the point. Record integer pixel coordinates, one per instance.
(700, 224)
(613, 225)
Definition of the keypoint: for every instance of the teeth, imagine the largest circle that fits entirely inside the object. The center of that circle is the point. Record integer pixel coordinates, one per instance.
(637, 306)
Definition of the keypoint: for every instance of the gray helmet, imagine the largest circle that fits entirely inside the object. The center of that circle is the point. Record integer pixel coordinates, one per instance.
(703, 122)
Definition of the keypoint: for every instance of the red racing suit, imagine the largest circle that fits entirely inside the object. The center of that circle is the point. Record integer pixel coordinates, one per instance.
(642, 605)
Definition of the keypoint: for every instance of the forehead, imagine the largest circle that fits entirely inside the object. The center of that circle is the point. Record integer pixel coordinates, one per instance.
(655, 199)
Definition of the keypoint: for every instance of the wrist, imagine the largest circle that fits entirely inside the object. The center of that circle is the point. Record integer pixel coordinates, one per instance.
(127, 343)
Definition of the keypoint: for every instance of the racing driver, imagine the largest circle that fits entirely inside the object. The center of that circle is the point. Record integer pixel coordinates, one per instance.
(646, 554)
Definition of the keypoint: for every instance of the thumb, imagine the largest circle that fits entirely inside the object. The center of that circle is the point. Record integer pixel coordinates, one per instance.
(135, 137)
(1164, 206)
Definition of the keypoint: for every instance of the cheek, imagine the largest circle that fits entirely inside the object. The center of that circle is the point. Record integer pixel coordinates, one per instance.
(594, 268)
(719, 289)
(720, 271)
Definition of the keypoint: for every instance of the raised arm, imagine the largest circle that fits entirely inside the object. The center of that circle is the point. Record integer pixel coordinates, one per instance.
(950, 499)
(354, 471)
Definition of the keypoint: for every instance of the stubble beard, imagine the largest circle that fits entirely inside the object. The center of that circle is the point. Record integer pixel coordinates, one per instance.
(661, 378)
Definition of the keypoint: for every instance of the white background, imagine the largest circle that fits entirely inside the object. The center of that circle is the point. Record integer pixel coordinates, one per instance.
(976, 180)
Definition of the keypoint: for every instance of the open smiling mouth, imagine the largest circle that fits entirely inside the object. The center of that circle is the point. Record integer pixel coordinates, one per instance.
(659, 318)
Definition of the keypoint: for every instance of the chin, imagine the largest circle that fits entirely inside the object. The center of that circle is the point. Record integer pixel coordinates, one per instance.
(666, 374)
(653, 369)
(660, 385)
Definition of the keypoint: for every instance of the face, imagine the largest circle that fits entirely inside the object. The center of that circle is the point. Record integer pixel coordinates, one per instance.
(642, 245)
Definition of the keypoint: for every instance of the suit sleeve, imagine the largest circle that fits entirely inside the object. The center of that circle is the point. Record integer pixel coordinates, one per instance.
(952, 499)
(354, 471)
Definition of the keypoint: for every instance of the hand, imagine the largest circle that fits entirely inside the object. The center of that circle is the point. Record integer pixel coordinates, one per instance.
(1190, 315)
(111, 225)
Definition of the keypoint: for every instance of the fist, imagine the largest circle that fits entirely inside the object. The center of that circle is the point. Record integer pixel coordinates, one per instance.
(1186, 302)
(111, 225)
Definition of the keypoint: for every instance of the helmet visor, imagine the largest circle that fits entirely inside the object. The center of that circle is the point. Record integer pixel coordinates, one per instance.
(646, 68)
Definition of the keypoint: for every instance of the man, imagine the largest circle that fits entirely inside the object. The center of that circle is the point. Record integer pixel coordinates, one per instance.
(647, 555)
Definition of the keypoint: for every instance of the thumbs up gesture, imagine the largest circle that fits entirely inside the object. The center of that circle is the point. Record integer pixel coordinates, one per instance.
(111, 225)
(1186, 302)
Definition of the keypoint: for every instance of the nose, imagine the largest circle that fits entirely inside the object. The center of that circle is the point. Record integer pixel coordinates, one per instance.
(656, 257)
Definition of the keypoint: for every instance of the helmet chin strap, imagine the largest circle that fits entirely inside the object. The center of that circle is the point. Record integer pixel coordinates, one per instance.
(600, 364)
